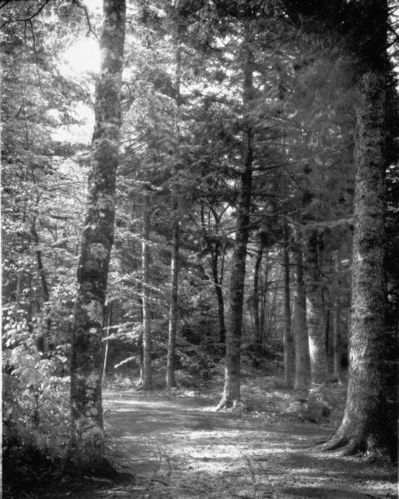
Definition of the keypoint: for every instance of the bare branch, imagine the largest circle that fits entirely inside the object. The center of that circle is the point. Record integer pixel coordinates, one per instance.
(5, 2)
(84, 8)
(25, 19)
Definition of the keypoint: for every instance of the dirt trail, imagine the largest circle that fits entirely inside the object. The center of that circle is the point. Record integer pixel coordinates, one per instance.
(180, 448)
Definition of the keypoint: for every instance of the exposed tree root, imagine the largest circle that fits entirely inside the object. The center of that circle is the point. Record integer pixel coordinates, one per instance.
(223, 404)
(353, 447)
(335, 443)
(348, 446)
(230, 404)
(357, 444)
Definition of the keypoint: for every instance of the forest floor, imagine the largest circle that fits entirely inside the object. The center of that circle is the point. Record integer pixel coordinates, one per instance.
(176, 446)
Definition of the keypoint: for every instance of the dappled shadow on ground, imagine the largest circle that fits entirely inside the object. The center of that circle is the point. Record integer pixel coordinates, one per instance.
(181, 448)
(178, 447)
(317, 492)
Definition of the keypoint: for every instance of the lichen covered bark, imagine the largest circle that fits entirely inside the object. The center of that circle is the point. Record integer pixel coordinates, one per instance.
(362, 428)
(97, 240)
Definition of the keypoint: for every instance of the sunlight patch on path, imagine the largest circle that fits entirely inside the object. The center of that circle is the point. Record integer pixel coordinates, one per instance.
(182, 449)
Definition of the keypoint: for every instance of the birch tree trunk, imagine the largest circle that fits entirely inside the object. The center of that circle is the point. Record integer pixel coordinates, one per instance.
(231, 392)
(87, 437)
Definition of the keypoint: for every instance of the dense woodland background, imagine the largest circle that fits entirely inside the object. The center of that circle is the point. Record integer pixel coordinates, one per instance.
(243, 125)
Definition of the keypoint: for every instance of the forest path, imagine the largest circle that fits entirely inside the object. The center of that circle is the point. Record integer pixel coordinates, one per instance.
(181, 448)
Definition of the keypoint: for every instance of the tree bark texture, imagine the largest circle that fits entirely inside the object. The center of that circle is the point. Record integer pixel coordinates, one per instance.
(363, 424)
(219, 292)
(264, 291)
(336, 341)
(363, 26)
(257, 321)
(174, 276)
(315, 312)
(145, 269)
(106, 339)
(231, 392)
(300, 332)
(222, 324)
(97, 239)
(288, 344)
(336, 321)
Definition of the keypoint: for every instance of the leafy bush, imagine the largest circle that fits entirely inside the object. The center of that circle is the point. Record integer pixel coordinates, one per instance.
(35, 400)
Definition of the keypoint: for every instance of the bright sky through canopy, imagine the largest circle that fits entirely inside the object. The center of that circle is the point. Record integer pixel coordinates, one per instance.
(83, 56)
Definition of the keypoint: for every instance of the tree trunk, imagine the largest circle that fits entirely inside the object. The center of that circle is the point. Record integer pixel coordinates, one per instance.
(106, 341)
(87, 438)
(174, 264)
(257, 321)
(315, 313)
(365, 33)
(336, 326)
(220, 299)
(217, 252)
(231, 391)
(336, 342)
(299, 323)
(364, 421)
(174, 275)
(288, 353)
(264, 289)
(145, 266)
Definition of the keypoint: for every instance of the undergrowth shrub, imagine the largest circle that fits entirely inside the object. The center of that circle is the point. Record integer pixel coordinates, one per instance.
(35, 402)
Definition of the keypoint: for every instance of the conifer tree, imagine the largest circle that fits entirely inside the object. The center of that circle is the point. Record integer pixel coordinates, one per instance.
(363, 26)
